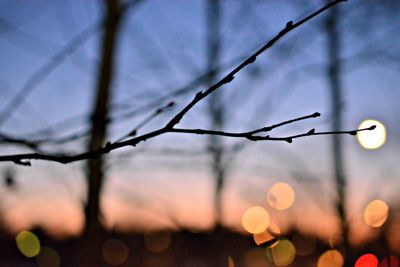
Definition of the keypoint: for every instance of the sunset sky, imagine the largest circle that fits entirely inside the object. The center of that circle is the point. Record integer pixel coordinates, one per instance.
(166, 182)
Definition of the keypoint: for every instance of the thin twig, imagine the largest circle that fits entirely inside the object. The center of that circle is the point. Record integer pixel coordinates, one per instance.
(252, 137)
(23, 159)
(146, 120)
(4, 138)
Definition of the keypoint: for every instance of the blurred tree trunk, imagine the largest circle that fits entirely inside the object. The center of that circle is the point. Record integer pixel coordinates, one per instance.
(9, 183)
(215, 105)
(92, 235)
(336, 90)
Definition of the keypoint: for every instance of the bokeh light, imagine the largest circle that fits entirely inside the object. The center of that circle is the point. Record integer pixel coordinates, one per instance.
(376, 213)
(367, 260)
(263, 237)
(268, 235)
(281, 253)
(330, 258)
(372, 139)
(274, 229)
(157, 241)
(28, 244)
(231, 263)
(255, 258)
(255, 220)
(305, 246)
(48, 257)
(391, 261)
(115, 252)
(281, 196)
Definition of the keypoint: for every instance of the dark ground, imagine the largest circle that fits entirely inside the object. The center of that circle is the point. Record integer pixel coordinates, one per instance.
(218, 248)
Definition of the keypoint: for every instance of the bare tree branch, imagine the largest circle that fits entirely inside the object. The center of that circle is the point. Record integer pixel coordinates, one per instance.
(230, 76)
(23, 159)
(250, 136)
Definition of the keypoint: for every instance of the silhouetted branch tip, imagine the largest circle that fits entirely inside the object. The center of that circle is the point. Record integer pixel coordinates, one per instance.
(371, 128)
(316, 114)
